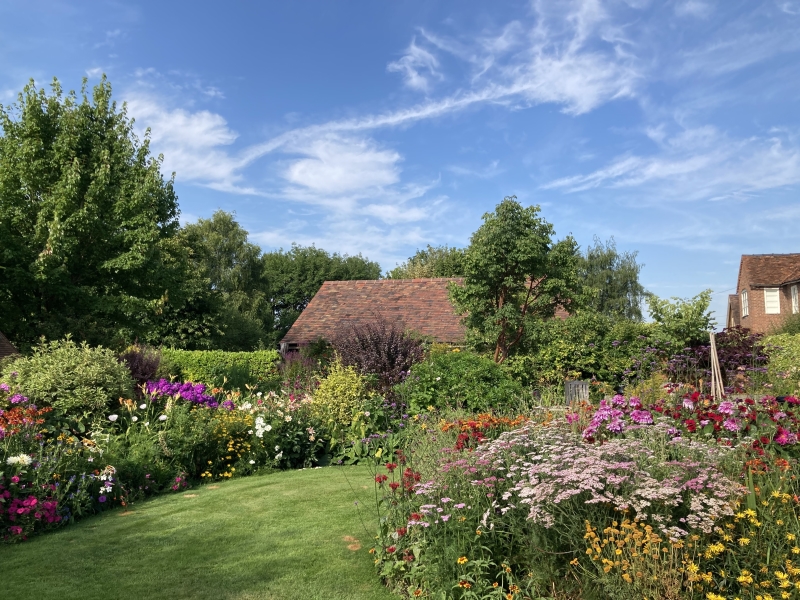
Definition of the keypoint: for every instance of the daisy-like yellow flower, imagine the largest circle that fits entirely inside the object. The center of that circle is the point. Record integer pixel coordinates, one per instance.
(791, 537)
(462, 560)
(744, 541)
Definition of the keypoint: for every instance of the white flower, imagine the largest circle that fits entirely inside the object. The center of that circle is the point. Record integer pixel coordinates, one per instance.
(162, 418)
(366, 413)
(279, 456)
(277, 448)
(19, 459)
(258, 394)
(142, 406)
(113, 418)
(147, 423)
(90, 459)
(438, 378)
(134, 419)
(252, 462)
(288, 418)
(250, 432)
(268, 427)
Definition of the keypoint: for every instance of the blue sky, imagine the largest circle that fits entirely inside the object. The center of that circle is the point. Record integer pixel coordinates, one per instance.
(380, 127)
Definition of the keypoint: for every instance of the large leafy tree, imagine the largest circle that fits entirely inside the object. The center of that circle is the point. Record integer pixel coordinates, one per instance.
(514, 272)
(613, 280)
(232, 266)
(88, 227)
(433, 261)
(683, 321)
(293, 277)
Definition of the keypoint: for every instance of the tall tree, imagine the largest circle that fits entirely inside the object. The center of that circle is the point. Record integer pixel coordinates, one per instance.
(514, 272)
(684, 321)
(294, 277)
(613, 279)
(433, 261)
(88, 227)
(232, 265)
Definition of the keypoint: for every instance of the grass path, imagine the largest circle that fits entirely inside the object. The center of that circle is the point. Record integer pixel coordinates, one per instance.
(291, 535)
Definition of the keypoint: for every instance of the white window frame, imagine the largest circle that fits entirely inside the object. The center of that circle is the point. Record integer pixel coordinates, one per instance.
(795, 300)
(772, 301)
(745, 306)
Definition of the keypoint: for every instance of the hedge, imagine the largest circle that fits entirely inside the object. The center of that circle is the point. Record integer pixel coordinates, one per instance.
(217, 367)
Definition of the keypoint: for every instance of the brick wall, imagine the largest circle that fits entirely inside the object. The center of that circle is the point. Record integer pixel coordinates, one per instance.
(757, 320)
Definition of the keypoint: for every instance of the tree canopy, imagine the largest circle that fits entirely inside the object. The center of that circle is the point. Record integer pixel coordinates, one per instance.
(514, 272)
(613, 280)
(433, 261)
(88, 227)
(293, 277)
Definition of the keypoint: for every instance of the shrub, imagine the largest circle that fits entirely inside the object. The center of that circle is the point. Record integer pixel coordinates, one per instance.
(784, 359)
(378, 348)
(459, 379)
(339, 395)
(142, 361)
(217, 368)
(78, 381)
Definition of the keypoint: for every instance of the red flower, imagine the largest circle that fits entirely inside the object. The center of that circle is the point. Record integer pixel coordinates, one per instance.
(691, 425)
(402, 531)
(394, 485)
(391, 466)
(390, 550)
(379, 479)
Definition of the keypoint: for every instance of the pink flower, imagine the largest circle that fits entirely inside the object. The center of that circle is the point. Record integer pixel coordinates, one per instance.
(15, 479)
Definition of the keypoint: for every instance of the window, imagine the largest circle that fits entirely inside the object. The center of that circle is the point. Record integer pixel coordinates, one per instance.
(795, 301)
(745, 308)
(772, 301)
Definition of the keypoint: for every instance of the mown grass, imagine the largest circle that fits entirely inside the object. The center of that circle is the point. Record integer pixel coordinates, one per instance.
(290, 535)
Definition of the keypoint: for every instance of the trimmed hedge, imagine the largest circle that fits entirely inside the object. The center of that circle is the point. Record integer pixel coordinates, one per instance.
(217, 367)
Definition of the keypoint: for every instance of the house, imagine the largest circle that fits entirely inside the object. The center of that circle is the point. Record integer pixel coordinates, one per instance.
(767, 291)
(421, 305)
(6, 348)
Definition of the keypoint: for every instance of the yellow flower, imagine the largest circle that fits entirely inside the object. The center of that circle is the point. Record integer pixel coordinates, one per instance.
(744, 541)
(791, 537)
(795, 550)
(713, 596)
(574, 561)
(478, 532)
(463, 560)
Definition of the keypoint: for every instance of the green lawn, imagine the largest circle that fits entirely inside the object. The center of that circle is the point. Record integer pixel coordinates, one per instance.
(291, 535)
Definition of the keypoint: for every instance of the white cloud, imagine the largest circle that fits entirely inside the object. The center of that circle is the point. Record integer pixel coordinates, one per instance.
(192, 142)
(334, 164)
(418, 67)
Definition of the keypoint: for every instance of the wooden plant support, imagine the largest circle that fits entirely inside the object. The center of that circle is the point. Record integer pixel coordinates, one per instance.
(717, 391)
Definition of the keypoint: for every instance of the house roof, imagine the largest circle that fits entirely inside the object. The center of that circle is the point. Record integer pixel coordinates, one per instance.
(6, 348)
(734, 317)
(421, 305)
(769, 270)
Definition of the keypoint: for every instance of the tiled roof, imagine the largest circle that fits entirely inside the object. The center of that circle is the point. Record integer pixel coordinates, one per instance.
(421, 305)
(6, 349)
(766, 270)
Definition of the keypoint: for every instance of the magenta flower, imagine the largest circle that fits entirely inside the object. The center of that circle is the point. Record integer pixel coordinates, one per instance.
(642, 417)
(731, 425)
(726, 408)
(572, 417)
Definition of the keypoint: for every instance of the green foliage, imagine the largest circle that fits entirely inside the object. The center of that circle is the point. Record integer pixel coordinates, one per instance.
(588, 345)
(88, 228)
(213, 367)
(433, 261)
(232, 265)
(790, 325)
(684, 321)
(294, 277)
(340, 395)
(513, 275)
(784, 359)
(459, 379)
(78, 381)
(614, 280)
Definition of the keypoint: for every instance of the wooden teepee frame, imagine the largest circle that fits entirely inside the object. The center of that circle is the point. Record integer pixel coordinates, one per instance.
(717, 391)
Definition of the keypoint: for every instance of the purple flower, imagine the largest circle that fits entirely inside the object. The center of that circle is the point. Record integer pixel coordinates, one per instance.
(616, 426)
(726, 408)
(642, 417)
(101, 499)
(17, 398)
(619, 400)
(731, 424)
(4, 387)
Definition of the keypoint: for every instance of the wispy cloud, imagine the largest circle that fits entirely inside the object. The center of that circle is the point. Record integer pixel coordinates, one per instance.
(698, 164)
(418, 67)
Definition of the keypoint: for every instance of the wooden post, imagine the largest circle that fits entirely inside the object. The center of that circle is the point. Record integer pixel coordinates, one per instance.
(717, 391)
